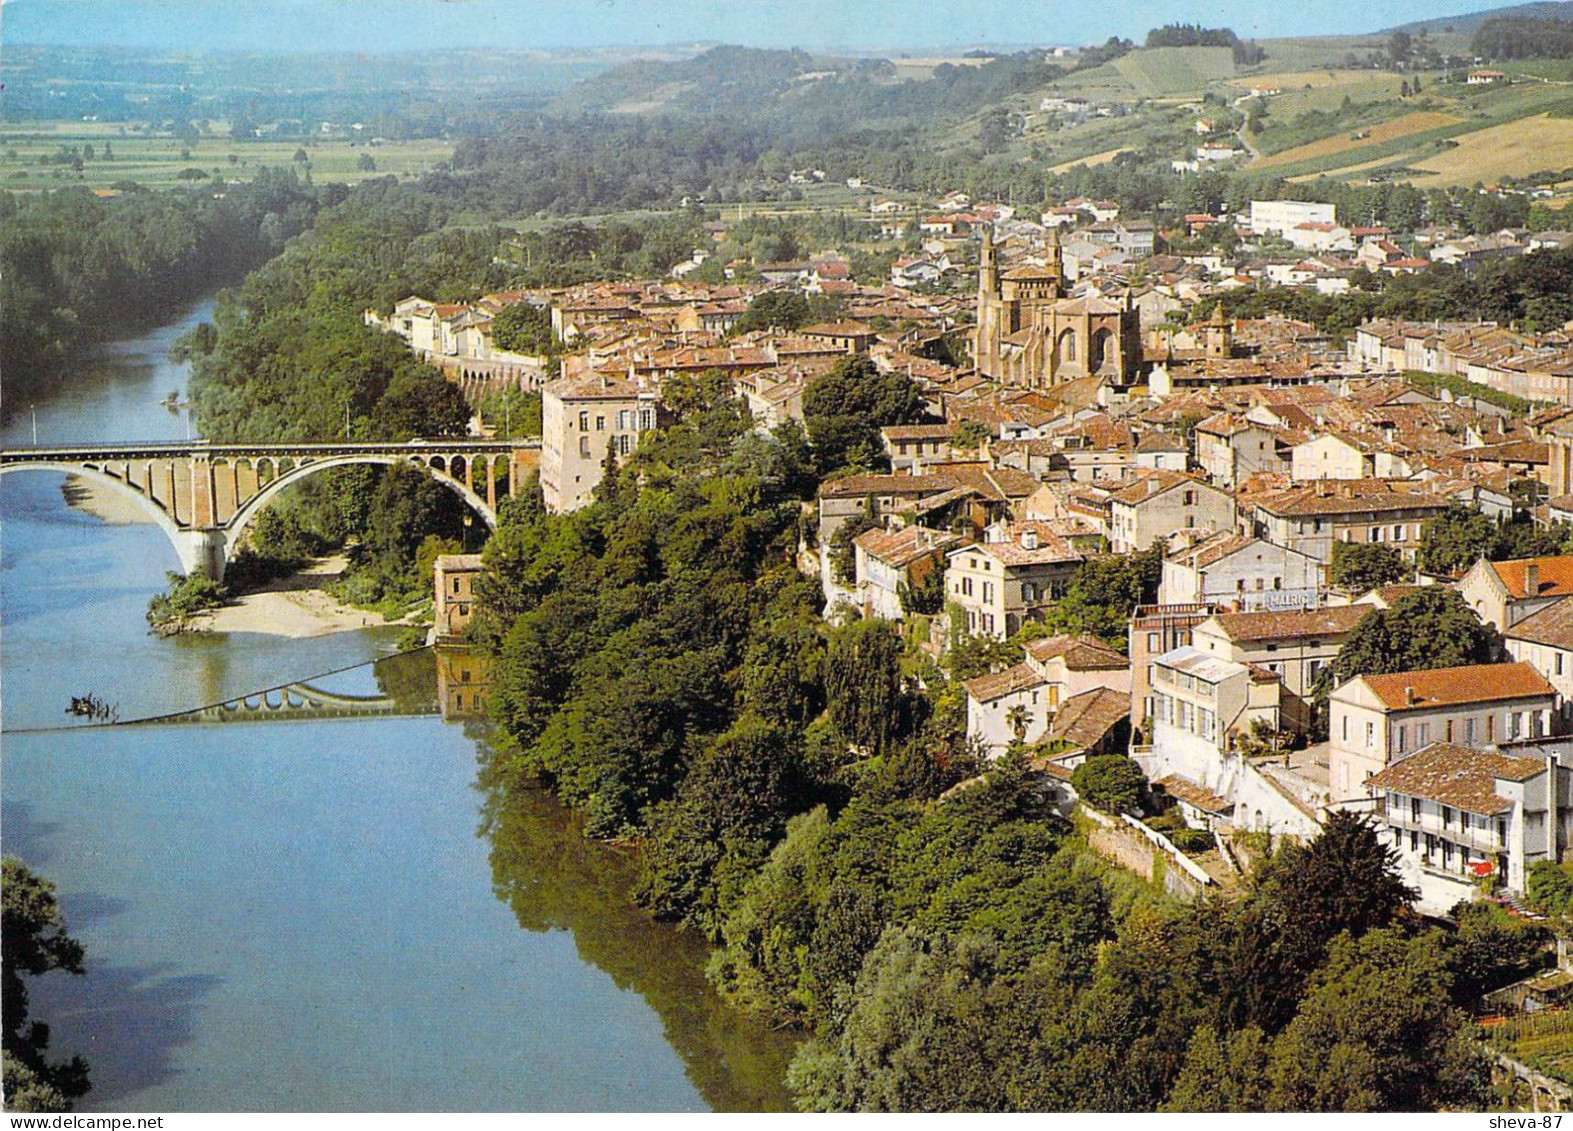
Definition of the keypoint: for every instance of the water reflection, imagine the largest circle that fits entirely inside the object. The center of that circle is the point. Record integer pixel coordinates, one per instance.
(542, 868)
(553, 878)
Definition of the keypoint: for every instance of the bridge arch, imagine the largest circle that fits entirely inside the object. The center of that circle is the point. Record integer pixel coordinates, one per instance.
(161, 518)
(235, 530)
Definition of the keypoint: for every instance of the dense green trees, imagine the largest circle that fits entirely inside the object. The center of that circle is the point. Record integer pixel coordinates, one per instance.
(1429, 628)
(76, 269)
(33, 941)
(1104, 592)
(845, 409)
(1458, 538)
(1363, 566)
(1111, 782)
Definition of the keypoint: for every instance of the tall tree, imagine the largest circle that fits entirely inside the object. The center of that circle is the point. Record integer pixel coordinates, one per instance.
(845, 409)
(1430, 628)
(33, 941)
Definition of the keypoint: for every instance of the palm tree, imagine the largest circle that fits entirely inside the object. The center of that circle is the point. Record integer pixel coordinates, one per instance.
(1016, 718)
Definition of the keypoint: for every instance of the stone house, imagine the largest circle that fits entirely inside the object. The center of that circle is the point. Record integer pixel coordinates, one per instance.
(1505, 593)
(1455, 814)
(1001, 585)
(890, 562)
(582, 420)
(1161, 503)
(1243, 574)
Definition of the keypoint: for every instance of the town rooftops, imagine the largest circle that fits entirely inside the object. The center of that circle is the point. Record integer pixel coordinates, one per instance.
(838, 330)
(1348, 496)
(1334, 621)
(900, 548)
(997, 685)
(1029, 544)
(457, 563)
(1080, 653)
(1154, 483)
(1446, 687)
(1555, 576)
(1203, 665)
(596, 386)
(1083, 720)
(1196, 796)
(1459, 776)
(1159, 441)
(856, 486)
(1552, 626)
(898, 432)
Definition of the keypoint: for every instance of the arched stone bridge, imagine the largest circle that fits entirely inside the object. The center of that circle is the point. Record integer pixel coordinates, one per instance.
(296, 701)
(205, 495)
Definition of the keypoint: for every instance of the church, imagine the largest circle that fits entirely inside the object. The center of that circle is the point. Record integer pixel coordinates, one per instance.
(1030, 335)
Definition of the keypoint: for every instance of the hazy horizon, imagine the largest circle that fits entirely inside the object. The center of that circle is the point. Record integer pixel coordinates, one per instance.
(378, 26)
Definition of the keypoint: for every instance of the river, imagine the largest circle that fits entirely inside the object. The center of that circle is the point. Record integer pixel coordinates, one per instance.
(315, 914)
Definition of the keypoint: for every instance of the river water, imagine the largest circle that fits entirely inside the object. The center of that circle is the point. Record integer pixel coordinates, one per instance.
(314, 914)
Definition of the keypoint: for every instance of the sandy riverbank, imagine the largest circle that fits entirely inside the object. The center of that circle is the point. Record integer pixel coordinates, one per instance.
(293, 606)
(103, 502)
(296, 605)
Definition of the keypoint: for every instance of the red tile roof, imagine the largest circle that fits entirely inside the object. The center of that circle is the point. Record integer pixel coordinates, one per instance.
(1556, 576)
(1443, 687)
(1459, 776)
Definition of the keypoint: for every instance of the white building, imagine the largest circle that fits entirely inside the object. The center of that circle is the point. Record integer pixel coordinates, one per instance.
(1377, 720)
(1278, 217)
(1456, 814)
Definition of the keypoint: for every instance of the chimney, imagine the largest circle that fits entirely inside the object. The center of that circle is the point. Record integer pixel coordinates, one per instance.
(1409, 696)
(1531, 579)
(1029, 539)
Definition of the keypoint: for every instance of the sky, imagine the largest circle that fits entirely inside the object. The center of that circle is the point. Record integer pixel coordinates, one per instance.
(408, 25)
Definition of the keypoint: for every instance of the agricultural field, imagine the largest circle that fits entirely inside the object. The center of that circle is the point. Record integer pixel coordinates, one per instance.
(157, 161)
(1543, 1041)
(1513, 149)
(1160, 72)
(1096, 159)
(1380, 134)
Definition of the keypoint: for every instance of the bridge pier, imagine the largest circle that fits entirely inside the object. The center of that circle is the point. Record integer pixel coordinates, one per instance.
(203, 551)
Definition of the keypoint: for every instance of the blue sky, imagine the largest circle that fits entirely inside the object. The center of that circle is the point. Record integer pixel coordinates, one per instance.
(395, 25)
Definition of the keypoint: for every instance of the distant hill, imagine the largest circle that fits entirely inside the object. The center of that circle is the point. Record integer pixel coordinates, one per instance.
(1469, 22)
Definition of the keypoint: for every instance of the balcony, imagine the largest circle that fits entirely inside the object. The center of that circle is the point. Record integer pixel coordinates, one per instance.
(1482, 840)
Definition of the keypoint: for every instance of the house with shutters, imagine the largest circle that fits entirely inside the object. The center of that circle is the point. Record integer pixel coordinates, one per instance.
(1377, 720)
(1002, 583)
(1455, 815)
(1161, 503)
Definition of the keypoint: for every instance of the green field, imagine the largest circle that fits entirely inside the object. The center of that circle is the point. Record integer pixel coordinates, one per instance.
(155, 161)
(1166, 71)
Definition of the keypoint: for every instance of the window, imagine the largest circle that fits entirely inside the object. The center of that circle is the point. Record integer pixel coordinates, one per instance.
(1559, 663)
(966, 586)
(1346, 728)
(1152, 642)
(1190, 498)
(600, 424)
(1422, 733)
(1370, 735)
(1403, 739)
(646, 418)
(584, 422)
(1469, 731)
(988, 592)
